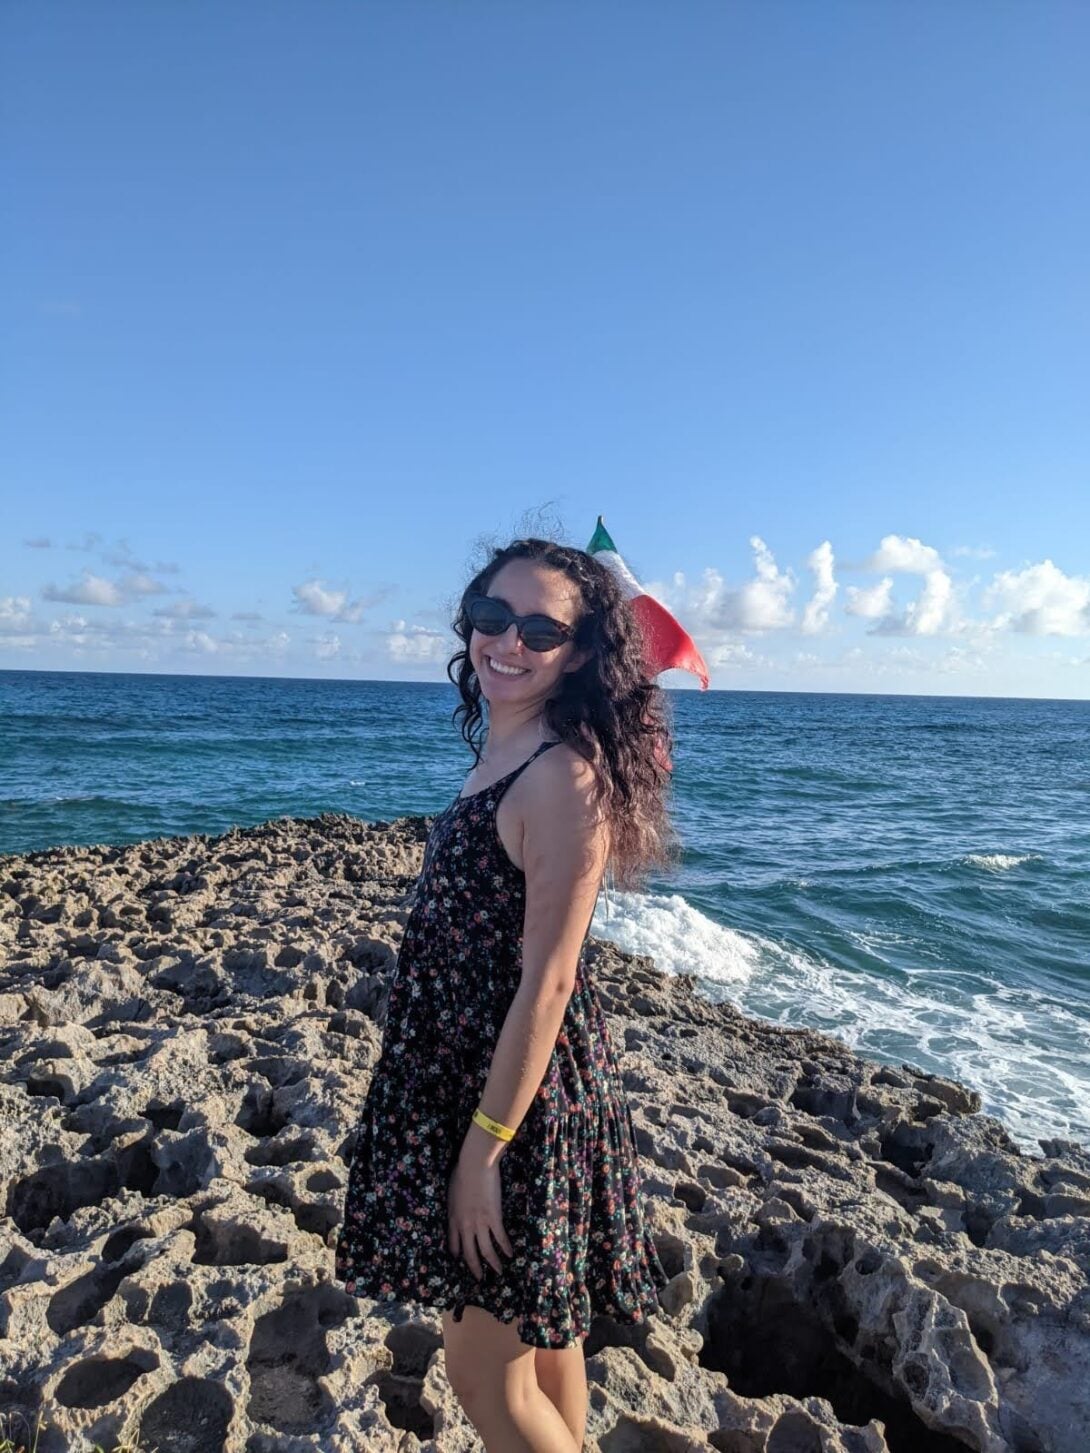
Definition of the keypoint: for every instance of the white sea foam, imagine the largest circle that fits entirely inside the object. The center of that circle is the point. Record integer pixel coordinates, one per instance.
(998, 862)
(677, 936)
(1027, 1053)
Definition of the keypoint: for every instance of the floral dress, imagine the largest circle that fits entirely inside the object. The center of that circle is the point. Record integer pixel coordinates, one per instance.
(572, 1199)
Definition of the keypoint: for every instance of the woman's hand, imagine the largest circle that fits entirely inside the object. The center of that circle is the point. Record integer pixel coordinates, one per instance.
(475, 1211)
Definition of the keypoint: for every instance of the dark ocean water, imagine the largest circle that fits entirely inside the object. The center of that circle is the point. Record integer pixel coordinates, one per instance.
(911, 874)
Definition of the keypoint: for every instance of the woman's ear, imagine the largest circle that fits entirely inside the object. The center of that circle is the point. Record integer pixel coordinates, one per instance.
(577, 660)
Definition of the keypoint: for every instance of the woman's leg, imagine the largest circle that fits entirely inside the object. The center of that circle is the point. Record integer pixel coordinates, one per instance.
(562, 1377)
(493, 1376)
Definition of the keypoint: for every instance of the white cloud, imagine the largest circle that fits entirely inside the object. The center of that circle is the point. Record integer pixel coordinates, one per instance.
(928, 615)
(663, 593)
(202, 642)
(816, 613)
(954, 660)
(315, 599)
(1040, 600)
(715, 614)
(719, 615)
(872, 602)
(975, 552)
(961, 658)
(933, 613)
(97, 590)
(236, 645)
(39, 542)
(91, 590)
(327, 646)
(905, 554)
(157, 639)
(733, 653)
(140, 583)
(761, 604)
(704, 601)
(14, 612)
(185, 610)
(417, 645)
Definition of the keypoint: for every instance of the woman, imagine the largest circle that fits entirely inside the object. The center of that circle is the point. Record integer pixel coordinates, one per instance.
(494, 1173)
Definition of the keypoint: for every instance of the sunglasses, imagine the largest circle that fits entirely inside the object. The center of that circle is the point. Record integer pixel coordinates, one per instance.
(491, 616)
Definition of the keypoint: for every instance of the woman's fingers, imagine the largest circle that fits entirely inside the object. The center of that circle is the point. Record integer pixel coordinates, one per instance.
(472, 1256)
(476, 1232)
(504, 1240)
(479, 1244)
(488, 1251)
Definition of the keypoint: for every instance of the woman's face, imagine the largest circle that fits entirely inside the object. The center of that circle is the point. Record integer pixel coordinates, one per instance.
(529, 588)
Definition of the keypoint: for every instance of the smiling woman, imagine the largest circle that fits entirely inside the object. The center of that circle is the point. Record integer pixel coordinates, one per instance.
(494, 1172)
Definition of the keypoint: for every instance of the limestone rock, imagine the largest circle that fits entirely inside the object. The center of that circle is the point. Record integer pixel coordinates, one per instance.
(859, 1260)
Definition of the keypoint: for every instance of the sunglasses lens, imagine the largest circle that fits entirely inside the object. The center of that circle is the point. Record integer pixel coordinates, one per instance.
(540, 634)
(490, 617)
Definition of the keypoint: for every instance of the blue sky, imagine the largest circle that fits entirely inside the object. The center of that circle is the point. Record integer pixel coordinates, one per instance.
(302, 301)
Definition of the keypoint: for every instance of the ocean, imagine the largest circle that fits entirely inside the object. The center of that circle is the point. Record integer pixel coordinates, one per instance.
(910, 874)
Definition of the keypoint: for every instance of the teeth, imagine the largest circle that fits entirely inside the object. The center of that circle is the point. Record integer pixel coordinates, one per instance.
(504, 670)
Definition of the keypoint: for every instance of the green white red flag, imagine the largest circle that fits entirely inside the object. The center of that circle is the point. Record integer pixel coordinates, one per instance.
(667, 645)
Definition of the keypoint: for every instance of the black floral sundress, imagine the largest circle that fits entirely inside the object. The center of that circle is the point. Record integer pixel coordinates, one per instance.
(572, 1199)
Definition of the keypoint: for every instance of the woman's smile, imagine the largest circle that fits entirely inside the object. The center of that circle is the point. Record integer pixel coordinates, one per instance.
(500, 669)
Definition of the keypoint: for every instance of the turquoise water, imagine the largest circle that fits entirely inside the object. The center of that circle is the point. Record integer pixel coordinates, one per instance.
(909, 873)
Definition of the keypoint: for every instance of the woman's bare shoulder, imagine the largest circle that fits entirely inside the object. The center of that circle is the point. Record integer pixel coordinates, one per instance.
(561, 789)
(564, 763)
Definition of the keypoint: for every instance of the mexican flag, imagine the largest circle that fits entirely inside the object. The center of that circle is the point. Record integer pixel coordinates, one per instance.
(666, 644)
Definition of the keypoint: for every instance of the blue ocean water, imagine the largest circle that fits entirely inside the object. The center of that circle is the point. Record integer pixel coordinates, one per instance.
(911, 874)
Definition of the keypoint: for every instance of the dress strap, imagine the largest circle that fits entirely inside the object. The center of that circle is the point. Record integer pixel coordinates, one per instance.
(535, 753)
(506, 781)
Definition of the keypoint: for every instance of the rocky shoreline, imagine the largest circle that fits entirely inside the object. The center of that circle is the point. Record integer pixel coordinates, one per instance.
(859, 1259)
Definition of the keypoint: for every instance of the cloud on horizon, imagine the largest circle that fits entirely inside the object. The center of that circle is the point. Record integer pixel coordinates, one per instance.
(1040, 600)
(315, 599)
(728, 618)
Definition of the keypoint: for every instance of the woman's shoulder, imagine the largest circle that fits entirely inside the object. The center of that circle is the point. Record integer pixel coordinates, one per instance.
(564, 762)
(563, 779)
(560, 809)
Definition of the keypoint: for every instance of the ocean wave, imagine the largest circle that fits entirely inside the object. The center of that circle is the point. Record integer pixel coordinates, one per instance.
(1026, 1052)
(680, 938)
(998, 862)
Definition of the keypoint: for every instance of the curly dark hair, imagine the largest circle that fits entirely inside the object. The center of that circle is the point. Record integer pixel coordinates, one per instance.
(607, 710)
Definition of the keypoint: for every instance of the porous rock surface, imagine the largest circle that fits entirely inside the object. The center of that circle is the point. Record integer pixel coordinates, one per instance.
(860, 1260)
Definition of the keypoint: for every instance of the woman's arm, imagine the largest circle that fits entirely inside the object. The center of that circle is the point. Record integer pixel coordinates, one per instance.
(564, 847)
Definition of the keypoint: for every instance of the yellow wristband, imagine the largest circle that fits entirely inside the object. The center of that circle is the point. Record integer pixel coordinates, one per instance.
(501, 1132)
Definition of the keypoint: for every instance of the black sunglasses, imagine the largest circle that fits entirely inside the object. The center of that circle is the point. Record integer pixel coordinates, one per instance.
(491, 616)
